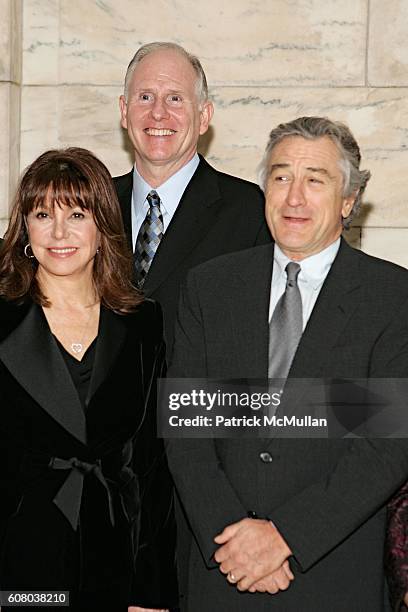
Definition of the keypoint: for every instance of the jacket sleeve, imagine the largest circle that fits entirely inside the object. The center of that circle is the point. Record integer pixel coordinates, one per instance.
(155, 578)
(359, 485)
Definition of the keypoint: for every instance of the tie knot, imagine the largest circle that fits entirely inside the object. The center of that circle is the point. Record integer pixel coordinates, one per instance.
(153, 199)
(292, 272)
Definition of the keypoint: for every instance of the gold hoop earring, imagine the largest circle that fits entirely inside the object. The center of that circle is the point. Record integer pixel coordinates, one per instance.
(28, 246)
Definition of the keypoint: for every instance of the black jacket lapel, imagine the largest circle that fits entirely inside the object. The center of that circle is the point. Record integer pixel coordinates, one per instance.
(32, 356)
(193, 218)
(111, 335)
(124, 188)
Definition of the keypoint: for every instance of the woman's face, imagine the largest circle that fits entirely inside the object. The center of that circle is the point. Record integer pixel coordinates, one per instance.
(64, 240)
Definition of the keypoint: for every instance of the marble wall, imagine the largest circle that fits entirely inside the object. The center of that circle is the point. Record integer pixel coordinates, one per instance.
(266, 62)
(10, 95)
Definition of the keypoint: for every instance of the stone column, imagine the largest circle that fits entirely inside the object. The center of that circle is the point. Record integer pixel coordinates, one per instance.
(10, 88)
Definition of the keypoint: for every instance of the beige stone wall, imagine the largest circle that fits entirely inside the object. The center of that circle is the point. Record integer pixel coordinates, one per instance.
(266, 62)
(10, 90)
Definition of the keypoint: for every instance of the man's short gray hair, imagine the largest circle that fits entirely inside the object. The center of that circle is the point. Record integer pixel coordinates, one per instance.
(201, 84)
(311, 128)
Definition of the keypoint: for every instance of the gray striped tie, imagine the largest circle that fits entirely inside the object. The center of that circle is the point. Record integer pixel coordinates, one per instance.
(148, 238)
(286, 326)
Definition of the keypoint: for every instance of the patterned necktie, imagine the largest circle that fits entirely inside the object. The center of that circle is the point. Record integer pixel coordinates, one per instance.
(148, 238)
(286, 326)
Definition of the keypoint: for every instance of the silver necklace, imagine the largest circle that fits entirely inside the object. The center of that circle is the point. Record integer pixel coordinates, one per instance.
(78, 347)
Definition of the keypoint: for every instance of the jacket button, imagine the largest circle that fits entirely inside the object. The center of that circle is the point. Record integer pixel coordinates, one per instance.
(252, 514)
(266, 457)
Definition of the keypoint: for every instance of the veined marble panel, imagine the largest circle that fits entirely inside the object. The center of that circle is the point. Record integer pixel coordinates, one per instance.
(74, 116)
(41, 42)
(388, 243)
(4, 150)
(14, 138)
(388, 43)
(378, 118)
(39, 122)
(16, 40)
(9, 146)
(10, 40)
(353, 237)
(246, 42)
(5, 26)
(3, 227)
(89, 117)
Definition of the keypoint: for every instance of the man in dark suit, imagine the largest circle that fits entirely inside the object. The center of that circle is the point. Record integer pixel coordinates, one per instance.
(199, 213)
(326, 498)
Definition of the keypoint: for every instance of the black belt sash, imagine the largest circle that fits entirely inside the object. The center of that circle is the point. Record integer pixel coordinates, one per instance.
(69, 496)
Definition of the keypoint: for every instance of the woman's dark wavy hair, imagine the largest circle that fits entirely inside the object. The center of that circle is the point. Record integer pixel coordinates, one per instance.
(69, 177)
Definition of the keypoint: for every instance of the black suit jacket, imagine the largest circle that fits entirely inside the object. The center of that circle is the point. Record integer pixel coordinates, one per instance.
(326, 497)
(86, 499)
(217, 214)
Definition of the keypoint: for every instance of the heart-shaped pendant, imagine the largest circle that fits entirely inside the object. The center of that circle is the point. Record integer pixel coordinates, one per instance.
(76, 347)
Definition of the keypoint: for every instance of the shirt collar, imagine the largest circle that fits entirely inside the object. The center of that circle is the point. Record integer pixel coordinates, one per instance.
(171, 191)
(314, 269)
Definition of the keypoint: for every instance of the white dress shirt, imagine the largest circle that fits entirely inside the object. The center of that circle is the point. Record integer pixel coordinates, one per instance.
(313, 272)
(170, 193)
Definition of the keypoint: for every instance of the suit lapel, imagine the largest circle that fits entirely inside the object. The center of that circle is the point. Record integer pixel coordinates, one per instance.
(124, 188)
(193, 218)
(111, 335)
(32, 356)
(249, 311)
(336, 303)
(338, 299)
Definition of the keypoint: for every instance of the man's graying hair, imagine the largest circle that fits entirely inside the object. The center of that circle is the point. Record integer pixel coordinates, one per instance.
(201, 85)
(311, 128)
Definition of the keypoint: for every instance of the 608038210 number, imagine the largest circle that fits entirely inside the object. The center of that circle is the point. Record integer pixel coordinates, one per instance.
(33, 598)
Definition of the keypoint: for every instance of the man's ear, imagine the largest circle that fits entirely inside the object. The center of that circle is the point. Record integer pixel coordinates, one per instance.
(348, 204)
(206, 113)
(123, 111)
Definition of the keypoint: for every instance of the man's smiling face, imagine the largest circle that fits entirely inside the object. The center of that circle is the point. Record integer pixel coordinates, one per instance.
(163, 114)
(304, 195)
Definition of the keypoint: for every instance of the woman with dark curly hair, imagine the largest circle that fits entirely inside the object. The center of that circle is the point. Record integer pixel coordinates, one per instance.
(396, 550)
(86, 498)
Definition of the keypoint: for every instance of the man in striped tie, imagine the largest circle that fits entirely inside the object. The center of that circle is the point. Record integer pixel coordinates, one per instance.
(178, 211)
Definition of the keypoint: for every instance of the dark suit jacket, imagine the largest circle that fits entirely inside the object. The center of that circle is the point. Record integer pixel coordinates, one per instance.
(217, 214)
(326, 497)
(85, 495)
